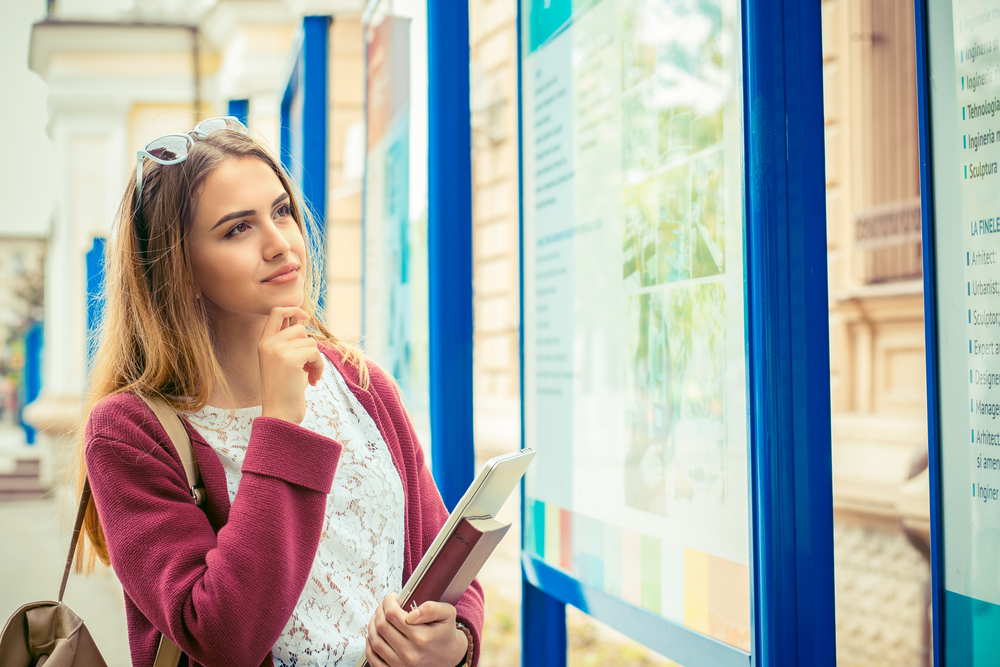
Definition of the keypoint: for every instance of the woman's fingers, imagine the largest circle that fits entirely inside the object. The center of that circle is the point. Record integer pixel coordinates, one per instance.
(278, 318)
(395, 615)
(312, 363)
(431, 612)
(374, 659)
(383, 637)
(432, 640)
(289, 359)
(290, 333)
(294, 332)
(315, 371)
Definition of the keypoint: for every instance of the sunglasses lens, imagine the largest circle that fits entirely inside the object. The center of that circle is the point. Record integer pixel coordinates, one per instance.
(206, 127)
(168, 148)
(212, 124)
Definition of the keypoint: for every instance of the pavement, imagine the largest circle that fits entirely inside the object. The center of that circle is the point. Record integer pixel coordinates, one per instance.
(34, 541)
(12, 445)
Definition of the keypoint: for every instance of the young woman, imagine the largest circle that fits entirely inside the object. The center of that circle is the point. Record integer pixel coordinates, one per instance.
(319, 502)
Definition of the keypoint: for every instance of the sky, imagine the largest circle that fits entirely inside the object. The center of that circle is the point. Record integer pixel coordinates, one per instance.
(26, 175)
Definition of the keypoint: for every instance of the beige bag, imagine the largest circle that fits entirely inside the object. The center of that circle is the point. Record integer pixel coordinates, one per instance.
(49, 633)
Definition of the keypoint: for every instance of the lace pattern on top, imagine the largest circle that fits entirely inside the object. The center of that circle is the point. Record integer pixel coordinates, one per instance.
(360, 556)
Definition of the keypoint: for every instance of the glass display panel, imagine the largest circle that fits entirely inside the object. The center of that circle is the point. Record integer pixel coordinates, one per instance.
(635, 388)
(964, 66)
(394, 298)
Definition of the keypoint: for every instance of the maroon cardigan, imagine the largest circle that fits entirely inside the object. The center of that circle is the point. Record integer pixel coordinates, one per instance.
(223, 582)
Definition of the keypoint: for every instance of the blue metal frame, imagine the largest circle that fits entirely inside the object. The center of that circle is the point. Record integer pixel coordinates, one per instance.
(676, 641)
(449, 252)
(308, 77)
(240, 109)
(543, 617)
(930, 330)
(788, 335)
(787, 372)
(544, 640)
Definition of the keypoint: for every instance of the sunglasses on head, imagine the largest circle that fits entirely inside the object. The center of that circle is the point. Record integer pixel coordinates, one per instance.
(174, 148)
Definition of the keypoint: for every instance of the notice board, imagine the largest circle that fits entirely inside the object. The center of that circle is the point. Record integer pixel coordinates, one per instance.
(634, 350)
(394, 287)
(959, 57)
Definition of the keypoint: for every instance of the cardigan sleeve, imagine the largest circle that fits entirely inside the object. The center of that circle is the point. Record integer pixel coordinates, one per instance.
(223, 598)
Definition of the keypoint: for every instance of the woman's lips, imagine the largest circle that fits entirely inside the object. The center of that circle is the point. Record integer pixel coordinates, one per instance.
(283, 278)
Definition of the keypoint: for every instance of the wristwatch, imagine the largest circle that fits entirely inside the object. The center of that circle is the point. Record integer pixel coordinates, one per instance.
(467, 660)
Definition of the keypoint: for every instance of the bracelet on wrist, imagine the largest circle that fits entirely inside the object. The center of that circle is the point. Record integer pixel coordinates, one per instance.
(467, 660)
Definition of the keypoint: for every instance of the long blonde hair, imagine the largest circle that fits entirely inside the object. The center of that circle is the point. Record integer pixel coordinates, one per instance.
(155, 339)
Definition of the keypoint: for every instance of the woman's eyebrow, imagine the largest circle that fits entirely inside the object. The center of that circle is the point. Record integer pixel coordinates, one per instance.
(235, 214)
(242, 214)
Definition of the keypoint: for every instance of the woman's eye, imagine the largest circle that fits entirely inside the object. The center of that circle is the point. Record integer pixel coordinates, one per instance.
(283, 211)
(240, 228)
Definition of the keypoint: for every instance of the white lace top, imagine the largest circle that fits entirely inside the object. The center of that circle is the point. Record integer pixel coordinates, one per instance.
(360, 555)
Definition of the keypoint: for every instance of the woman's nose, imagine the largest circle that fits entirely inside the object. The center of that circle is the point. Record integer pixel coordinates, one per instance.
(275, 243)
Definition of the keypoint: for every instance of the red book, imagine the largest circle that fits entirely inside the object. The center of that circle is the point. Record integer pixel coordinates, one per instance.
(467, 538)
(458, 563)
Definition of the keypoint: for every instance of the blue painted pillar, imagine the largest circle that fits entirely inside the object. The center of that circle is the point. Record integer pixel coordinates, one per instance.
(240, 109)
(788, 335)
(449, 240)
(285, 130)
(303, 132)
(315, 55)
(31, 379)
(95, 294)
(543, 628)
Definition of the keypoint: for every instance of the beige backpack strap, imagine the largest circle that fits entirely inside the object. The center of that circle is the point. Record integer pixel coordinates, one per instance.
(81, 512)
(168, 654)
(182, 443)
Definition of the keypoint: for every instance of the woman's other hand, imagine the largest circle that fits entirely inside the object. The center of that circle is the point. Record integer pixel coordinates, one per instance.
(424, 637)
(289, 359)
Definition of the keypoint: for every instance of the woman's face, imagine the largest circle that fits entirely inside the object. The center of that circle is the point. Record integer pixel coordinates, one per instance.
(246, 249)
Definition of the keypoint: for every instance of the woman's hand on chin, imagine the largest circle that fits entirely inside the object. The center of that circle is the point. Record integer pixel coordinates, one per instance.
(289, 359)
(424, 637)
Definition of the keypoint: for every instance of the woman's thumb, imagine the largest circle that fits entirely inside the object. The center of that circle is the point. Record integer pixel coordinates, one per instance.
(429, 612)
(413, 618)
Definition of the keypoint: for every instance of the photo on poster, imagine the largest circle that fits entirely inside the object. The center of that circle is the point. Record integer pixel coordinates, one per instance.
(690, 79)
(638, 39)
(673, 251)
(708, 212)
(639, 266)
(675, 386)
(639, 120)
(674, 133)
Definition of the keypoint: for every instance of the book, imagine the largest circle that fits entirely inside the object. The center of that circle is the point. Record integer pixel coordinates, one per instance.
(467, 538)
(457, 563)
